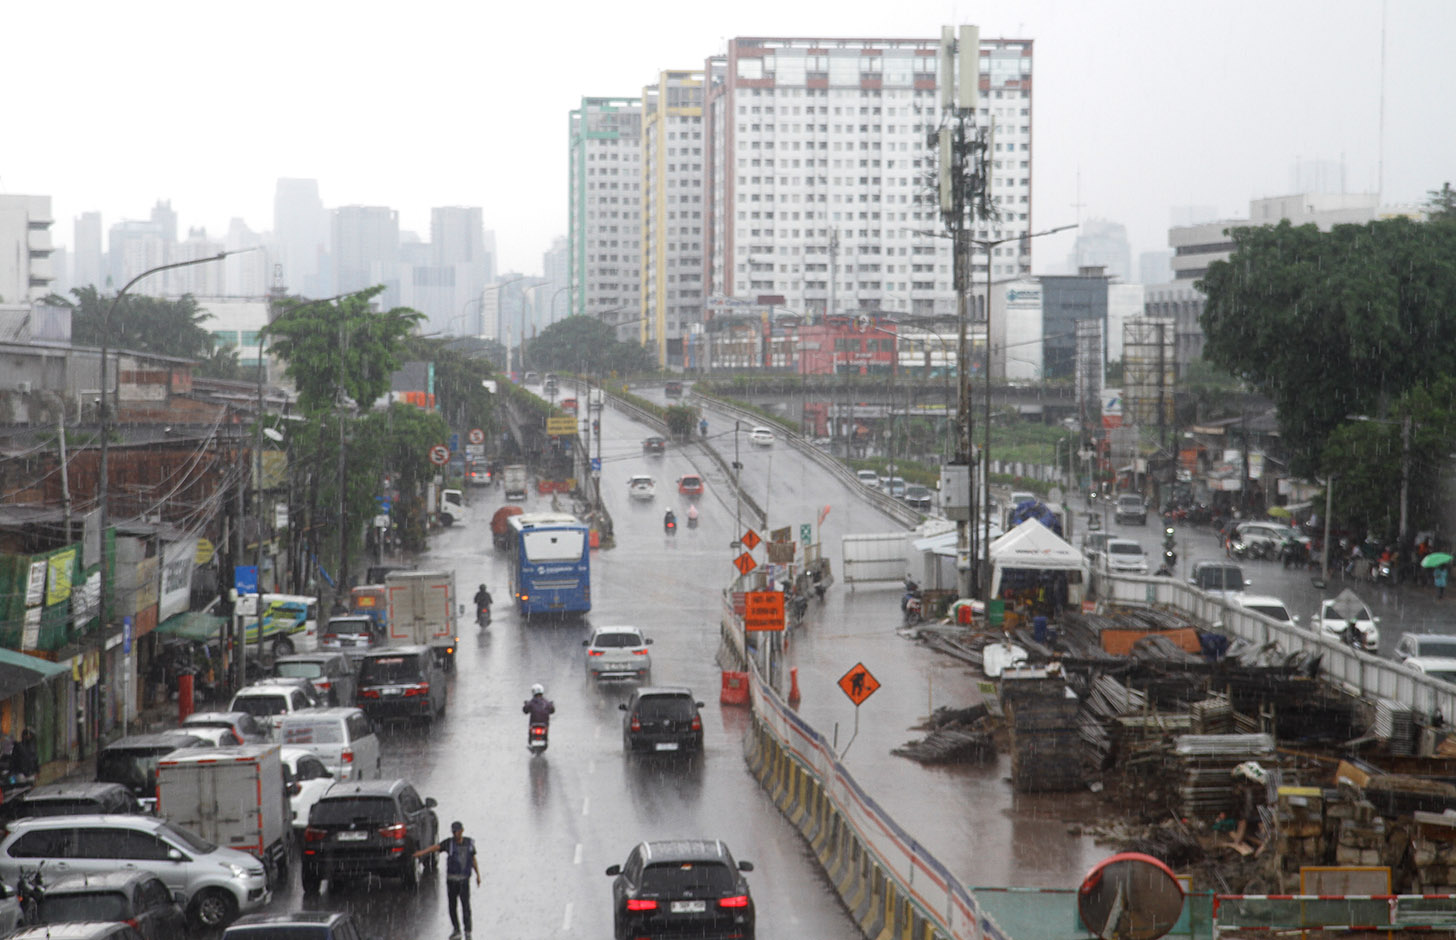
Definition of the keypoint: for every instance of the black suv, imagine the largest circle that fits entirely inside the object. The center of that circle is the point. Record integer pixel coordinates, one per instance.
(139, 898)
(368, 826)
(71, 799)
(662, 719)
(681, 888)
(401, 682)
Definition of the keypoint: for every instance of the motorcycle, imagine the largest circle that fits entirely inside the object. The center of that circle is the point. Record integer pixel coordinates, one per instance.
(482, 616)
(1094, 522)
(910, 603)
(30, 891)
(669, 525)
(1293, 552)
(536, 738)
(692, 521)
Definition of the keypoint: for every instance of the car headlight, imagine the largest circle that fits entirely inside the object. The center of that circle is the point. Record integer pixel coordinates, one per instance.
(238, 871)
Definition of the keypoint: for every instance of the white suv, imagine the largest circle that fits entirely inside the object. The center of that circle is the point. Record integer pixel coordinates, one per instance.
(217, 883)
(618, 653)
(1124, 556)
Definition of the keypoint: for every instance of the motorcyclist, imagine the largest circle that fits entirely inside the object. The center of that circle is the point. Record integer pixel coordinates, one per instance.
(482, 601)
(703, 426)
(669, 520)
(538, 706)
(692, 515)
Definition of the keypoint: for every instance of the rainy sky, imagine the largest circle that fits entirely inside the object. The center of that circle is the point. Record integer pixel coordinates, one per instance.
(1138, 106)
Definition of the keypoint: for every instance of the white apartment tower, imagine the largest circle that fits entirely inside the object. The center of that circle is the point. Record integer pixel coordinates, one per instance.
(605, 212)
(818, 173)
(672, 212)
(25, 248)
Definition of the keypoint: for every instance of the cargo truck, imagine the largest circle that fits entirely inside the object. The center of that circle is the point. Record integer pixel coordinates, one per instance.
(422, 610)
(234, 796)
(513, 480)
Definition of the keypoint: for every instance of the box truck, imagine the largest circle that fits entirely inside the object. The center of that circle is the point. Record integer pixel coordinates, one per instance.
(422, 610)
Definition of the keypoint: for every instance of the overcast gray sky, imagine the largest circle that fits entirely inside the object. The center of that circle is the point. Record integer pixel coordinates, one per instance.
(411, 105)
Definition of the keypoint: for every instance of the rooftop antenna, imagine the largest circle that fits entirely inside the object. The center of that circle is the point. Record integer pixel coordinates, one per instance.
(1380, 171)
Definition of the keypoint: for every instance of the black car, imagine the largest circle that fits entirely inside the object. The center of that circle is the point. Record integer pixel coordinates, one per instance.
(298, 925)
(673, 389)
(401, 682)
(71, 799)
(132, 761)
(654, 445)
(662, 719)
(368, 826)
(681, 888)
(139, 898)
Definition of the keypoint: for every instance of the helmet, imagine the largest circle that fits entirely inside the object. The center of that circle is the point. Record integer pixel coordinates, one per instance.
(538, 689)
(1251, 771)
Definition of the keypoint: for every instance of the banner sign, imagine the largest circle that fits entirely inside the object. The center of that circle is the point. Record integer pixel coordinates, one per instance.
(178, 560)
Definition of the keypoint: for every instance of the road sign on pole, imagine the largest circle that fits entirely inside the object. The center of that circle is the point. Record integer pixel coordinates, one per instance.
(763, 610)
(477, 436)
(806, 533)
(439, 455)
(750, 540)
(744, 563)
(454, 443)
(858, 684)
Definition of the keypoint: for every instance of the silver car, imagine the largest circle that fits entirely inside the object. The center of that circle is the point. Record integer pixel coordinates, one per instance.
(217, 883)
(618, 653)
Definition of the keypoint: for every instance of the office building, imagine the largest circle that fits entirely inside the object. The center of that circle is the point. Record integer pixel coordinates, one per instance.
(605, 209)
(816, 169)
(25, 248)
(301, 230)
(556, 268)
(134, 246)
(365, 251)
(88, 263)
(1103, 244)
(199, 280)
(672, 212)
(1155, 267)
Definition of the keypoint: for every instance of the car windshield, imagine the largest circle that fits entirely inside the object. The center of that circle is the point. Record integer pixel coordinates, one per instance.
(1272, 611)
(691, 481)
(1443, 648)
(299, 670)
(1445, 675)
(260, 706)
(385, 669)
(70, 908)
(658, 707)
(189, 840)
(133, 769)
(360, 625)
(352, 809)
(695, 878)
(1331, 613)
(1133, 502)
(66, 807)
(1221, 579)
(313, 732)
(1125, 548)
(614, 640)
(554, 545)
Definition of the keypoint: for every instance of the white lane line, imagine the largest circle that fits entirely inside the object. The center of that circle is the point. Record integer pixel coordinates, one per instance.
(566, 919)
(576, 856)
(586, 806)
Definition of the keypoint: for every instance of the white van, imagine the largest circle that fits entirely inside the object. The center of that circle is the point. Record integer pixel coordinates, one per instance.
(343, 738)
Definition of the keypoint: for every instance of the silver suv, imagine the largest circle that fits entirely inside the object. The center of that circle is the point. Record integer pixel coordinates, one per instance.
(216, 883)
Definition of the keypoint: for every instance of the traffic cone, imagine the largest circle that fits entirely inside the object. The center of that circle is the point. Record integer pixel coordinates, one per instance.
(793, 685)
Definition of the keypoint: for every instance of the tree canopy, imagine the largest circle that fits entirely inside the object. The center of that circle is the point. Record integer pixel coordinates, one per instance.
(150, 325)
(587, 345)
(1441, 204)
(1332, 324)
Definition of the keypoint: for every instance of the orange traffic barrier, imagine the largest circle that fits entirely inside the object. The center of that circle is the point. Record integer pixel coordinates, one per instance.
(735, 688)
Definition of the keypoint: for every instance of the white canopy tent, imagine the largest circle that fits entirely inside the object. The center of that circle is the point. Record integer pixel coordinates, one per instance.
(1032, 546)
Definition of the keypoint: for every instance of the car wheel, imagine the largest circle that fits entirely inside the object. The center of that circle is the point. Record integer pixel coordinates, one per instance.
(312, 878)
(447, 520)
(283, 646)
(409, 870)
(214, 908)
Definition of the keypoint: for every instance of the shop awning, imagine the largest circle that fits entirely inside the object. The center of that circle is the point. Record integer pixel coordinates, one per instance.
(193, 625)
(19, 672)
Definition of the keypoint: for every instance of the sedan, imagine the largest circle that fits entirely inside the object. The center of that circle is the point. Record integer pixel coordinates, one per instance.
(681, 888)
(654, 445)
(568, 405)
(761, 437)
(618, 653)
(919, 497)
(1345, 617)
(690, 485)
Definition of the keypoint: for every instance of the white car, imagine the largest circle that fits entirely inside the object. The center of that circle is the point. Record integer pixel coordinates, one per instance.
(761, 437)
(642, 487)
(308, 779)
(1437, 667)
(1269, 606)
(618, 653)
(1338, 614)
(1124, 556)
(269, 703)
(1425, 646)
(869, 478)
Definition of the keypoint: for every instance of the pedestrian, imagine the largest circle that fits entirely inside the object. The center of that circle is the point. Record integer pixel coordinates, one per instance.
(1438, 577)
(459, 863)
(24, 760)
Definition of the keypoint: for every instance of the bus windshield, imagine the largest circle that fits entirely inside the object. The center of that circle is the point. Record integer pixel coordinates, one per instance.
(553, 545)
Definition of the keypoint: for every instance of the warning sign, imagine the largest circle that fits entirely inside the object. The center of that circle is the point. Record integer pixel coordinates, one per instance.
(781, 553)
(750, 540)
(561, 426)
(744, 563)
(858, 684)
(763, 610)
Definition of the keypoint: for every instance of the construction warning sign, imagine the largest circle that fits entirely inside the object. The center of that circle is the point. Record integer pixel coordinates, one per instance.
(744, 563)
(750, 540)
(858, 684)
(561, 427)
(763, 610)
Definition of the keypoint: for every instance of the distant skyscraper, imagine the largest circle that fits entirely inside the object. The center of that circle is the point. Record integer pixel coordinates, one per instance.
(199, 280)
(25, 248)
(248, 274)
(86, 245)
(165, 218)
(459, 270)
(605, 210)
(1104, 244)
(1155, 267)
(672, 212)
(134, 246)
(301, 231)
(556, 268)
(815, 164)
(366, 250)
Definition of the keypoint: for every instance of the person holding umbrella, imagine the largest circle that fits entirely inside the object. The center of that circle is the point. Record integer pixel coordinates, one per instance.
(1439, 562)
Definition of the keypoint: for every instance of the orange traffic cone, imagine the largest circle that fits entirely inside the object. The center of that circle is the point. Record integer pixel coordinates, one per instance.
(793, 685)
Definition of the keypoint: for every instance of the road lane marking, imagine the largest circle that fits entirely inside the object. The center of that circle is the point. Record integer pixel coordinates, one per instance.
(585, 806)
(566, 919)
(576, 856)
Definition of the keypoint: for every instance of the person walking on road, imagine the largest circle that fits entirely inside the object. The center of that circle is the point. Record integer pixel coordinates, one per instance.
(1438, 578)
(459, 863)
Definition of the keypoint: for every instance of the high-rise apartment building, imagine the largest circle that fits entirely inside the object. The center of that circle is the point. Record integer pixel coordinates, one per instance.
(134, 246)
(605, 211)
(818, 173)
(365, 249)
(1104, 244)
(199, 280)
(25, 248)
(301, 230)
(89, 263)
(556, 268)
(672, 212)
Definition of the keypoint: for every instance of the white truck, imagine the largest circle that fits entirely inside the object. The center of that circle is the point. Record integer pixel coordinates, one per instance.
(452, 507)
(233, 796)
(513, 479)
(422, 610)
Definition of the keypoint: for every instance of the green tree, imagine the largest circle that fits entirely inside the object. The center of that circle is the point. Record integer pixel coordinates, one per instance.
(460, 394)
(587, 345)
(1441, 204)
(1329, 324)
(146, 324)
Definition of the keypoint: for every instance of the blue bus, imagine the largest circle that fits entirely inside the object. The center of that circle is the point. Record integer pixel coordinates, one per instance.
(550, 563)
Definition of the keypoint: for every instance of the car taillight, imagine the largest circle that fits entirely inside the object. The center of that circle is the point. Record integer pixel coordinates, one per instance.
(641, 904)
(636, 723)
(422, 689)
(397, 831)
(368, 693)
(641, 652)
(594, 652)
(329, 636)
(738, 900)
(323, 685)
(525, 597)
(348, 756)
(697, 724)
(314, 835)
(132, 923)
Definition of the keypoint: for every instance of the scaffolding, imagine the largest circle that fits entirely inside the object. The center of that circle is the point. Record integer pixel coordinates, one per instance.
(1148, 373)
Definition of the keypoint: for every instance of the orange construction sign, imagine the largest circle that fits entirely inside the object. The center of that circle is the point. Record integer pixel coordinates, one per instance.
(750, 540)
(858, 684)
(744, 563)
(763, 610)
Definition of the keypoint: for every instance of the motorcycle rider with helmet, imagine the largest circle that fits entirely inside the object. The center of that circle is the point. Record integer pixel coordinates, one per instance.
(538, 706)
(482, 605)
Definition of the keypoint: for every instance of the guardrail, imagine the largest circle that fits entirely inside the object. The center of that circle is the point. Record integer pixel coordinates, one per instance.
(1360, 673)
(881, 500)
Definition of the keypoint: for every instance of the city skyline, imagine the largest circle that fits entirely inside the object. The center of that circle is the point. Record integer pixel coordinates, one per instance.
(1141, 107)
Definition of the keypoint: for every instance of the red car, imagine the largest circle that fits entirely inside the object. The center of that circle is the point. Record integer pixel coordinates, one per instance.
(568, 405)
(690, 485)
